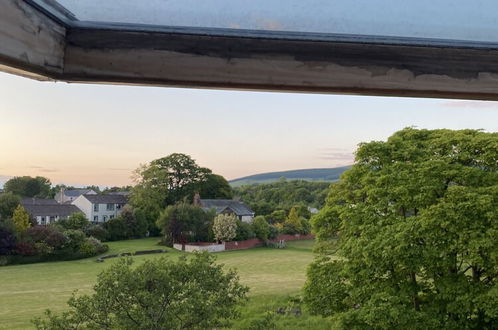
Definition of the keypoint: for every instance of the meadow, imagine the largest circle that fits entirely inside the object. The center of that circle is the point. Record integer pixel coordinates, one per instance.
(275, 278)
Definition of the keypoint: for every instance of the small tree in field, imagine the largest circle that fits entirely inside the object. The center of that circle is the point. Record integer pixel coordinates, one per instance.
(193, 293)
(261, 227)
(20, 218)
(225, 227)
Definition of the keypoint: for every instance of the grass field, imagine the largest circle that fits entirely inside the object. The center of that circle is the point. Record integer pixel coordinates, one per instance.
(273, 276)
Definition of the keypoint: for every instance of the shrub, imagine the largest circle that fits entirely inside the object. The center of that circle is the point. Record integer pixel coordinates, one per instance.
(116, 229)
(46, 234)
(25, 248)
(293, 223)
(21, 219)
(76, 221)
(244, 231)
(43, 249)
(274, 232)
(261, 228)
(74, 239)
(97, 231)
(225, 227)
(7, 241)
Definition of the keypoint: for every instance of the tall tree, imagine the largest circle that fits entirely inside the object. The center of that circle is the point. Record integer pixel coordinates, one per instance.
(193, 293)
(170, 180)
(215, 187)
(27, 186)
(416, 218)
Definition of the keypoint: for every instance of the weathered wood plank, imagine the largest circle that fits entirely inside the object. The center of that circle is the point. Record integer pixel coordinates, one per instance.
(29, 40)
(185, 60)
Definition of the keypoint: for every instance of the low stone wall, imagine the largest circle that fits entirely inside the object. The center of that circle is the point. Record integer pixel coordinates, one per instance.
(236, 245)
(200, 247)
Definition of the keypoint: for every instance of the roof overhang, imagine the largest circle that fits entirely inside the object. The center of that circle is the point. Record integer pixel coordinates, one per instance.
(38, 44)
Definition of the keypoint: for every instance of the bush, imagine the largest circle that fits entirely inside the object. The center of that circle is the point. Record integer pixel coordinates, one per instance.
(7, 241)
(274, 232)
(25, 248)
(261, 228)
(46, 234)
(43, 249)
(244, 231)
(225, 227)
(97, 231)
(116, 229)
(74, 239)
(76, 221)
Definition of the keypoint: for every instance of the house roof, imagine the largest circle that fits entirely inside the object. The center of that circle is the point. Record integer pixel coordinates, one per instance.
(37, 201)
(61, 210)
(238, 207)
(77, 192)
(107, 199)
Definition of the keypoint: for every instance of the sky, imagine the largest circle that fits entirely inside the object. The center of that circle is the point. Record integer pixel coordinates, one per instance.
(84, 134)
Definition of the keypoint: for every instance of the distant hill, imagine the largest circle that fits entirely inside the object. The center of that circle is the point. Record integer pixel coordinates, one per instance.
(312, 174)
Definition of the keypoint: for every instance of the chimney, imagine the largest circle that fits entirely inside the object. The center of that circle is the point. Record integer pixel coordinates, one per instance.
(197, 199)
(62, 195)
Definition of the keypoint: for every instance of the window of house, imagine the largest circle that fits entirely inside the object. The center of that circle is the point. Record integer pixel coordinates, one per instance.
(52, 219)
(104, 218)
(43, 220)
(96, 218)
(96, 207)
(111, 217)
(118, 206)
(110, 207)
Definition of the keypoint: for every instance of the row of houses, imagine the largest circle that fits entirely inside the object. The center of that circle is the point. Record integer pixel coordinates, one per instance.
(97, 208)
(100, 208)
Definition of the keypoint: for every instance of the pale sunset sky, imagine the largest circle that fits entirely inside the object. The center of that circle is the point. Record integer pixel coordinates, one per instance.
(97, 134)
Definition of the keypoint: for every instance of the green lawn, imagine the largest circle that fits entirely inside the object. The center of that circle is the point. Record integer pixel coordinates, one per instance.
(272, 275)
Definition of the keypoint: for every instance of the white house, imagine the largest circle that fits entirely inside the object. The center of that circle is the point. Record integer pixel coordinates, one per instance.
(69, 195)
(100, 208)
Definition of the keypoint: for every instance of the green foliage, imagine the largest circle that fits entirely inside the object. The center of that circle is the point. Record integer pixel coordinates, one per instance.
(192, 293)
(170, 180)
(225, 227)
(184, 222)
(76, 221)
(97, 231)
(261, 227)
(8, 203)
(215, 187)
(116, 229)
(274, 200)
(74, 239)
(20, 219)
(293, 224)
(416, 221)
(244, 231)
(27, 186)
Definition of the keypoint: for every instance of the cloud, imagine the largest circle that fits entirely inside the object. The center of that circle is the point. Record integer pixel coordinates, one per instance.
(336, 154)
(44, 169)
(471, 104)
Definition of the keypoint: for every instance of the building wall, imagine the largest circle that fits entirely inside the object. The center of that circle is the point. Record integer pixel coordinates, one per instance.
(85, 206)
(103, 214)
(247, 218)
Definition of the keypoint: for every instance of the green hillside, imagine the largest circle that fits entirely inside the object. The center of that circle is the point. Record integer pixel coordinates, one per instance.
(313, 174)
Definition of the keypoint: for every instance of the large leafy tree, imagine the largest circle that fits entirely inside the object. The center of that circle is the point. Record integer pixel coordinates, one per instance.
(225, 227)
(417, 226)
(173, 179)
(27, 186)
(193, 293)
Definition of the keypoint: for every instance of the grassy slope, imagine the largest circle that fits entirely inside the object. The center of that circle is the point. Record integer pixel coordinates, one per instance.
(272, 274)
